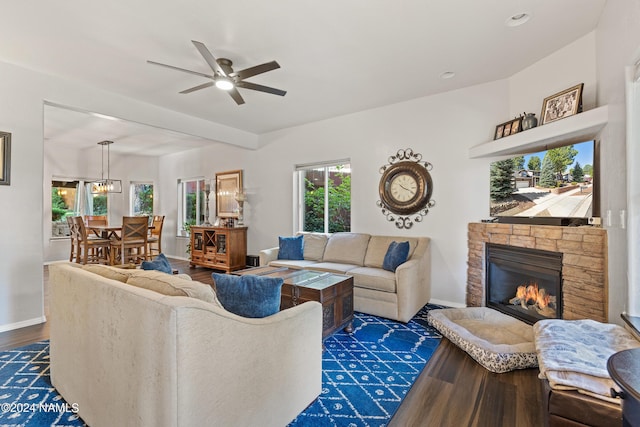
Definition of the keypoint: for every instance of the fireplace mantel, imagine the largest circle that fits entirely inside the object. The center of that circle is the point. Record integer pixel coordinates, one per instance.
(578, 128)
(584, 263)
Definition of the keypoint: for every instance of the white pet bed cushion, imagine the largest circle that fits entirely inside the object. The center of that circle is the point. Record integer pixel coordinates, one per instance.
(498, 342)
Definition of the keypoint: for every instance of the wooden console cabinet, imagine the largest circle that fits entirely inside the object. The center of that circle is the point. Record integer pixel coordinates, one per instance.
(219, 248)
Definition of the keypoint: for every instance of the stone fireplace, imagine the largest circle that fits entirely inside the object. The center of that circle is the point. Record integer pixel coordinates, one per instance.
(582, 252)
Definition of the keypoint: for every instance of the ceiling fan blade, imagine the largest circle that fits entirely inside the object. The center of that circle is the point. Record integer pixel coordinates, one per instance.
(181, 69)
(261, 88)
(236, 96)
(202, 86)
(258, 69)
(208, 57)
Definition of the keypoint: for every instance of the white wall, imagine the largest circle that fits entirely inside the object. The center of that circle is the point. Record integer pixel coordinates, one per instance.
(567, 67)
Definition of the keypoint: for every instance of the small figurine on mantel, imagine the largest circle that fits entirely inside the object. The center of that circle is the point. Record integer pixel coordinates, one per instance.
(530, 121)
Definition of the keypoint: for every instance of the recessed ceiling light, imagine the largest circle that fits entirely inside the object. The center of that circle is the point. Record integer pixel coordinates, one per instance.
(517, 19)
(447, 75)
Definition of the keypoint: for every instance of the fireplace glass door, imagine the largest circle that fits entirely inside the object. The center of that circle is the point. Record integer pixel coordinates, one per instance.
(524, 283)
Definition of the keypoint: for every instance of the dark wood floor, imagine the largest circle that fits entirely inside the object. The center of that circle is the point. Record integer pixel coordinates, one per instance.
(453, 390)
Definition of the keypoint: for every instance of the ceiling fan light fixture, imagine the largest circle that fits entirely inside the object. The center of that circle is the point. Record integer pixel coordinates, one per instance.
(224, 83)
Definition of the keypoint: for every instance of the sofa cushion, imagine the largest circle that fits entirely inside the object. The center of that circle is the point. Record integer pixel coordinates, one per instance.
(249, 295)
(113, 273)
(374, 278)
(159, 263)
(314, 245)
(168, 284)
(332, 267)
(378, 246)
(396, 254)
(346, 248)
(290, 247)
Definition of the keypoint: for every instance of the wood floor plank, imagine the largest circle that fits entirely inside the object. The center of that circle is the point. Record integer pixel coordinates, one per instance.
(452, 390)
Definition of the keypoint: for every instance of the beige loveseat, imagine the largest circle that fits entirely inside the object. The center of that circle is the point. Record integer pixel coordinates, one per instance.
(397, 296)
(132, 356)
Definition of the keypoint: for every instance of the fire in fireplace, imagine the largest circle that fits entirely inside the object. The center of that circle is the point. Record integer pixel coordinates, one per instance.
(524, 283)
(530, 297)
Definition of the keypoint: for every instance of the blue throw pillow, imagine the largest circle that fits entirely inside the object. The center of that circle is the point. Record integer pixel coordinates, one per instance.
(291, 248)
(248, 295)
(396, 254)
(160, 263)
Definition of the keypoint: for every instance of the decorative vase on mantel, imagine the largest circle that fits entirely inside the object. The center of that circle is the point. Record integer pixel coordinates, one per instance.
(529, 121)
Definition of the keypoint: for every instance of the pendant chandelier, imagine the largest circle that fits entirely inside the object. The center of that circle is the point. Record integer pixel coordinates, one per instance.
(106, 185)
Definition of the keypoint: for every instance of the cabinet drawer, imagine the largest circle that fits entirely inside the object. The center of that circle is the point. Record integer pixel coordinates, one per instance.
(222, 262)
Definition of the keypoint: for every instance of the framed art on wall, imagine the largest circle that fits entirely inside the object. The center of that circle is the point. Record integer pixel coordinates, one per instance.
(5, 158)
(228, 184)
(562, 104)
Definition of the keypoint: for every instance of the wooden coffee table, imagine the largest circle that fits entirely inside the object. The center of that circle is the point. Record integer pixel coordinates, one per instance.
(333, 291)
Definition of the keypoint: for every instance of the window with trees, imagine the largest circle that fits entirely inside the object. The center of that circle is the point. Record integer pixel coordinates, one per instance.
(192, 207)
(72, 197)
(324, 197)
(141, 202)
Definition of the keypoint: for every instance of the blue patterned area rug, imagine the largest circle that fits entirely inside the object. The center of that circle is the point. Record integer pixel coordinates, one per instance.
(367, 373)
(27, 397)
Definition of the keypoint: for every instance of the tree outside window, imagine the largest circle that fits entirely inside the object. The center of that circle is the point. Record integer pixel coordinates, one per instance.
(72, 197)
(192, 204)
(326, 194)
(142, 199)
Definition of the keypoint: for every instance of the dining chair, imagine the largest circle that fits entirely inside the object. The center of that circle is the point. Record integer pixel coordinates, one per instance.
(96, 220)
(132, 245)
(90, 250)
(155, 236)
(74, 253)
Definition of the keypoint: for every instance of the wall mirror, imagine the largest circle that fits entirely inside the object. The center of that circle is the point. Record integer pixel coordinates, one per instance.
(227, 185)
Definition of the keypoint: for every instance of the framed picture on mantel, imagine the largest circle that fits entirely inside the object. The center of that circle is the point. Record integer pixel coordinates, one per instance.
(562, 104)
(508, 128)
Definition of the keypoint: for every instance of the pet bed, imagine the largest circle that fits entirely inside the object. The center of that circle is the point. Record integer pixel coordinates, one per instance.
(498, 342)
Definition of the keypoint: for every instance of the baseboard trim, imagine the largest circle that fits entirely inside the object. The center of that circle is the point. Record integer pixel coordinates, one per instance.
(447, 303)
(23, 324)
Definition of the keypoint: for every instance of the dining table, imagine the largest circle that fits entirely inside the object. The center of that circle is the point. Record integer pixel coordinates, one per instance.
(108, 231)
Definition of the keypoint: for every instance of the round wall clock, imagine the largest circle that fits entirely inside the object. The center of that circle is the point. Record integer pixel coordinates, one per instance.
(405, 188)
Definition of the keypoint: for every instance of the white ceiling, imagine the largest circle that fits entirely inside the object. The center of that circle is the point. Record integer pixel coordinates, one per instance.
(337, 56)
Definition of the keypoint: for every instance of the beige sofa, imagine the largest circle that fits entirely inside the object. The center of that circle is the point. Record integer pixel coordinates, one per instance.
(396, 296)
(132, 356)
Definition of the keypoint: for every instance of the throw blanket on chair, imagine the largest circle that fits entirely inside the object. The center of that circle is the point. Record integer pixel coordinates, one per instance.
(573, 354)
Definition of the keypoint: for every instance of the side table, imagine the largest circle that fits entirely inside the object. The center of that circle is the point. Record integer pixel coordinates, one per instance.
(624, 368)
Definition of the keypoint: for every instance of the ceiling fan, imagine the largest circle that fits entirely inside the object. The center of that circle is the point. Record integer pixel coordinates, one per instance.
(225, 78)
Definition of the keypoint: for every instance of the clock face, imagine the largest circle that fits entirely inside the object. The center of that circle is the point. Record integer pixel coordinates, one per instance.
(405, 188)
